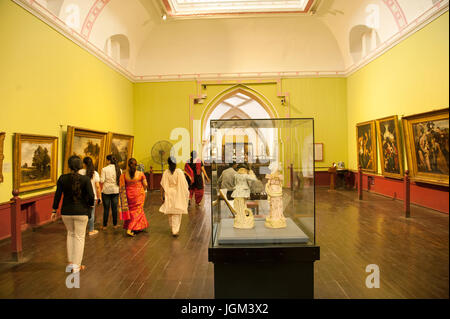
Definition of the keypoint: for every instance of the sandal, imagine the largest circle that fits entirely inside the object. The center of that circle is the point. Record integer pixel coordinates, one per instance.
(130, 233)
(95, 231)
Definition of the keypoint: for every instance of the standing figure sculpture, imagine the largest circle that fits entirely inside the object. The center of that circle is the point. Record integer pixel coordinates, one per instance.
(274, 190)
(244, 216)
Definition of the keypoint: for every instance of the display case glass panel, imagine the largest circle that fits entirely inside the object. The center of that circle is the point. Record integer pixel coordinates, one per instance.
(262, 183)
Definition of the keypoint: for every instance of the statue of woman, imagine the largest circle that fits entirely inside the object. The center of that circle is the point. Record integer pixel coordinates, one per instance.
(274, 190)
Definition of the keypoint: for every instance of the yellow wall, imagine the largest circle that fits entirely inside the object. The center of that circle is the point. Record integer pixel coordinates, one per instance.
(47, 81)
(410, 78)
(161, 107)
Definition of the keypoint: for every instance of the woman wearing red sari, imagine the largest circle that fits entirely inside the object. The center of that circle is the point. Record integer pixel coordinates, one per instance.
(131, 199)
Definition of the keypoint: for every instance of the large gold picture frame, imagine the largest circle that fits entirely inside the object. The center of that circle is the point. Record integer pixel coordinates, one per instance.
(366, 146)
(35, 162)
(390, 147)
(85, 142)
(427, 149)
(2, 139)
(121, 146)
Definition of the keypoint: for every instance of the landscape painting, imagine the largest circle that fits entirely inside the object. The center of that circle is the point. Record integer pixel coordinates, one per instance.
(366, 146)
(391, 155)
(83, 143)
(35, 162)
(121, 146)
(427, 146)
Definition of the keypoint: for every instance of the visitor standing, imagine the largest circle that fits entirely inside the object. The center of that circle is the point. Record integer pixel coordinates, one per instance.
(175, 195)
(133, 185)
(89, 170)
(75, 210)
(109, 178)
(196, 170)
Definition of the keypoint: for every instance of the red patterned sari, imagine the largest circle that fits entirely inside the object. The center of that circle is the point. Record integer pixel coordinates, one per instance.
(132, 198)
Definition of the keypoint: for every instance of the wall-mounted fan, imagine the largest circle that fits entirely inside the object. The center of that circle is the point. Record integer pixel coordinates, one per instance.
(160, 152)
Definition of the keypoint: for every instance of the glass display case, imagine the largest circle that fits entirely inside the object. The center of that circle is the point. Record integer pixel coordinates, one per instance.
(262, 183)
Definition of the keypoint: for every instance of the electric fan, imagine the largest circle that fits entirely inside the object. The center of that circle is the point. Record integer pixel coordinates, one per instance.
(160, 152)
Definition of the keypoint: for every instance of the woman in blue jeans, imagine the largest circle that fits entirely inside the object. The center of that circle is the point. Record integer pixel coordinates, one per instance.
(110, 178)
(89, 170)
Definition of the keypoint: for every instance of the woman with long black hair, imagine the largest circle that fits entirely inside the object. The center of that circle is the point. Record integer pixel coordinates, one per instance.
(175, 195)
(110, 177)
(133, 185)
(75, 210)
(89, 170)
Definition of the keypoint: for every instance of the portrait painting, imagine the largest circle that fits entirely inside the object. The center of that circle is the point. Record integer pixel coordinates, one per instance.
(366, 146)
(390, 147)
(83, 143)
(121, 146)
(427, 146)
(35, 161)
(2, 139)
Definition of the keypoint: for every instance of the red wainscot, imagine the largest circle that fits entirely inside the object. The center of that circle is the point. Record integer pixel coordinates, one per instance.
(426, 195)
(34, 211)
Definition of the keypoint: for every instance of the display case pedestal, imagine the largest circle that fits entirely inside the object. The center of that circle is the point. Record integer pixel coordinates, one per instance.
(264, 272)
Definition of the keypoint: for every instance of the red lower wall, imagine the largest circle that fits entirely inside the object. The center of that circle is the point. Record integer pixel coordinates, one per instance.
(427, 195)
(36, 211)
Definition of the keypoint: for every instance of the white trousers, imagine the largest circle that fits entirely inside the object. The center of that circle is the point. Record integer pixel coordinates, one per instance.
(175, 222)
(76, 232)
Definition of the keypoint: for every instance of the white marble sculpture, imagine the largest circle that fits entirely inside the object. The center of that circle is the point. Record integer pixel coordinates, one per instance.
(274, 190)
(244, 216)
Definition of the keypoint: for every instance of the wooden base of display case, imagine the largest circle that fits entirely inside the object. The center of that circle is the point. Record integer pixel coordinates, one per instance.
(268, 272)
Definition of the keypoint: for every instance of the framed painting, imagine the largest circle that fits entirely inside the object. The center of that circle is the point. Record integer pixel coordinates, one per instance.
(426, 137)
(390, 147)
(366, 147)
(84, 142)
(318, 152)
(2, 139)
(121, 146)
(35, 162)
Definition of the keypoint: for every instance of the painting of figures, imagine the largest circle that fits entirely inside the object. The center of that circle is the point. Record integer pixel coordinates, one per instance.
(390, 147)
(366, 146)
(427, 146)
(35, 162)
(121, 146)
(85, 142)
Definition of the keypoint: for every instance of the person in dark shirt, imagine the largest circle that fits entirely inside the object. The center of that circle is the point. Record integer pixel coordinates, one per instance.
(75, 210)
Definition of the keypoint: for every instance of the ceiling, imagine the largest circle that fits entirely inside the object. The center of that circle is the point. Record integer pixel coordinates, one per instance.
(156, 40)
(186, 8)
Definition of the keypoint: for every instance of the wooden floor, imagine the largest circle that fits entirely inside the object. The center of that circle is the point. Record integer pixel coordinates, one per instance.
(412, 254)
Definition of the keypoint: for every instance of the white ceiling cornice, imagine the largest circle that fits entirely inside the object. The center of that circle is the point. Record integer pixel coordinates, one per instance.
(46, 16)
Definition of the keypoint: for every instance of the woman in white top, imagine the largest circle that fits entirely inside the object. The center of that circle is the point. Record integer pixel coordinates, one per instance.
(175, 195)
(89, 170)
(110, 178)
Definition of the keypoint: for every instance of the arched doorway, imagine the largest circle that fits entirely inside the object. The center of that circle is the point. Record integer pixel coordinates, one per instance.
(245, 144)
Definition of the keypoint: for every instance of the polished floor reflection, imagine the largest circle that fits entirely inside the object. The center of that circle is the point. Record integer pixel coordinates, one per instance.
(412, 255)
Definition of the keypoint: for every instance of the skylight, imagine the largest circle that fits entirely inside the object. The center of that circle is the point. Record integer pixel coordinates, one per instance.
(211, 7)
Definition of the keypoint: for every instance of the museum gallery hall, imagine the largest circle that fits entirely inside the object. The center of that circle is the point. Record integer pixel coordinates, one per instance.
(194, 149)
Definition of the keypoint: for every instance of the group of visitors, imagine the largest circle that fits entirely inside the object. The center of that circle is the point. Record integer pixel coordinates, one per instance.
(122, 192)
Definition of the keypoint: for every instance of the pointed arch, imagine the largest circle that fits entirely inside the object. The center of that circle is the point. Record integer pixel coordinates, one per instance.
(239, 88)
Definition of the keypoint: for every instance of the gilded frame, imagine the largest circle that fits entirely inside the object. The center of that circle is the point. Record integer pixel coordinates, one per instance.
(111, 137)
(77, 132)
(397, 145)
(411, 146)
(18, 173)
(2, 157)
(373, 153)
